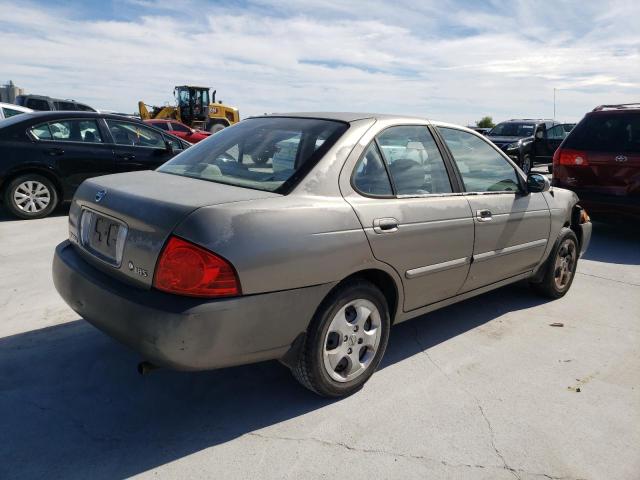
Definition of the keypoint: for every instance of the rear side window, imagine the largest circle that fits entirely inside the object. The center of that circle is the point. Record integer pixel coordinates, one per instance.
(84, 108)
(179, 128)
(41, 132)
(481, 167)
(65, 106)
(370, 176)
(269, 154)
(415, 164)
(37, 104)
(10, 112)
(76, 131)
(616, 132)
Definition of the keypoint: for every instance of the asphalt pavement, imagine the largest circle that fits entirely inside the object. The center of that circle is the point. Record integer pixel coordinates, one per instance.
(485, 389)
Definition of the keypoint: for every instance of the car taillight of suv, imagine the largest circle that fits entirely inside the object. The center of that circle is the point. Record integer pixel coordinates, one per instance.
(600, 160)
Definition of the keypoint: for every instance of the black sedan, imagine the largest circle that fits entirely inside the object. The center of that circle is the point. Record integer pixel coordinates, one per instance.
(44, 156)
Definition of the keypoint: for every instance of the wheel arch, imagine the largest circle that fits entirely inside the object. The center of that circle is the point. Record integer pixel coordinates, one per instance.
(383, 281)
(48, 174)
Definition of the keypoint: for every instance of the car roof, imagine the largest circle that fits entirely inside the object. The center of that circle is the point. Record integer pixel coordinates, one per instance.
(341, 116)
(529, 120)
(55, 114)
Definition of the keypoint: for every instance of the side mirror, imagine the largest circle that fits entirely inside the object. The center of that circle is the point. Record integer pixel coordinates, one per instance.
(168, 146)
(539, 134)
(536, 182)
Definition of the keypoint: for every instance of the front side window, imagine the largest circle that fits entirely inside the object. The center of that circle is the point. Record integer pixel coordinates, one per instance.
(512, 129)
(415, 164)
(135, 134)
(481, 166)
(556, 133)
(174, 142)
(262, 153)
(75, 131)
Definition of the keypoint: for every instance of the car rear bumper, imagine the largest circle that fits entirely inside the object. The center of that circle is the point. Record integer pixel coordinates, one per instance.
(181, 332)
(599, 203)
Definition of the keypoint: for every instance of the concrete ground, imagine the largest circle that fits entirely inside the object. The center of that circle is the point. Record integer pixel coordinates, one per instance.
(485, 389)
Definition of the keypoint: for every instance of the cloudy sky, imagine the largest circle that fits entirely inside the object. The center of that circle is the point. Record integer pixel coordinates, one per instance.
(448, 60)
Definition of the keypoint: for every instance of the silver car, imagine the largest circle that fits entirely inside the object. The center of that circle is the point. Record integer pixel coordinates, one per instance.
(304, 237)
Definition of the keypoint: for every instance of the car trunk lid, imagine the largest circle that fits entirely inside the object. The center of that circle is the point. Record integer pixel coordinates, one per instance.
(119, 223)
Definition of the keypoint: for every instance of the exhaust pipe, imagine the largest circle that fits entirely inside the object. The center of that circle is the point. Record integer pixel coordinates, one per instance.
(145, 367)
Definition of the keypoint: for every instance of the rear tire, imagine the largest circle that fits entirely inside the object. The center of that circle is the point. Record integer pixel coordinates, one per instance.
(560, 268)
(345, 341)
(30, 196)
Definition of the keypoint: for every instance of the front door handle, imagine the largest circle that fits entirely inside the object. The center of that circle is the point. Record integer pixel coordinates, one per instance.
(385, 225)
(484, 215)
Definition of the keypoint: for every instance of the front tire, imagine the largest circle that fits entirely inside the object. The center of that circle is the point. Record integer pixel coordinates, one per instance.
(216, 127)
(345, 341)
(560, 268)
(525, 163)
(30, 196)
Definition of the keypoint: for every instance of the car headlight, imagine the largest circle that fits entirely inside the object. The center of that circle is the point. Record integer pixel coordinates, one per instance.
(513, 146)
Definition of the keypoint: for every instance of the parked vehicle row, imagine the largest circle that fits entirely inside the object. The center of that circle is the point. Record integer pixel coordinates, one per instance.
(305, 237)
(47, 155)
(44, 103)
(529, 142)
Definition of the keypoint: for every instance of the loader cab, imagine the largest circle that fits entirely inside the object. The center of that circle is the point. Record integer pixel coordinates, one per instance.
(193, 104)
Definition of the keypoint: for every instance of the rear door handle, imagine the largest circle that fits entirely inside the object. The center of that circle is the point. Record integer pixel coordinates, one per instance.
(126, 158)
(484, 215)
(55, 152)
(385, 225)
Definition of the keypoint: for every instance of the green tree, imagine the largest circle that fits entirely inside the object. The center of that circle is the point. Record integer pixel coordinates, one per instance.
(485, 122)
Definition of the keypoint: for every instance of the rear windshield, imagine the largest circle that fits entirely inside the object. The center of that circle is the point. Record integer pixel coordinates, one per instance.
(512, 129)
(616, 132)
(269, 154)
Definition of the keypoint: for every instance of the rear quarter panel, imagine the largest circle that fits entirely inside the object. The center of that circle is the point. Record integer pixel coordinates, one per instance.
(284, 243)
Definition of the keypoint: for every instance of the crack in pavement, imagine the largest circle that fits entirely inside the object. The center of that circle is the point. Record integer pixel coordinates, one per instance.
(514, 471)
(409, 456)
(609, 279)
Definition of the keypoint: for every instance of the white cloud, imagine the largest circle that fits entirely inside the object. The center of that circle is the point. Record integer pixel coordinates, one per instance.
(442, 60)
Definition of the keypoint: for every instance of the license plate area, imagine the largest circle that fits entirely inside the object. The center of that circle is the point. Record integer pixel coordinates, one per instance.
(103, 236)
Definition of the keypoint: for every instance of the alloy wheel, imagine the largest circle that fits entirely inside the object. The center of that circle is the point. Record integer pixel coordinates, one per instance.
(352, 340)
(32, 196)
(565, 263)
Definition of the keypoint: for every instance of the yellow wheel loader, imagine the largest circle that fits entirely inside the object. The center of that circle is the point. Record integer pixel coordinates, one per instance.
(194, 109)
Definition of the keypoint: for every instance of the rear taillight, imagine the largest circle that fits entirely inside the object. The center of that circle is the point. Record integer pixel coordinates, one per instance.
(575, 158)
(186, 269)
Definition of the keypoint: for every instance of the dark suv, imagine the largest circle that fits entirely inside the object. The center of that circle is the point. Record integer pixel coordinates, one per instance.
(529, 142)
(600, 160)
(40, 102)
